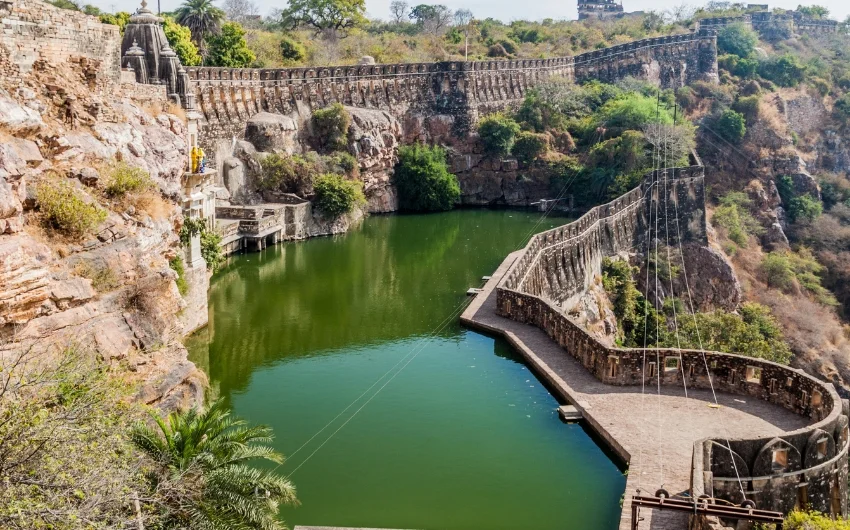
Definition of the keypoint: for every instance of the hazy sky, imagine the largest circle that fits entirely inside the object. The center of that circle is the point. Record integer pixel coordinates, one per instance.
(505, 10)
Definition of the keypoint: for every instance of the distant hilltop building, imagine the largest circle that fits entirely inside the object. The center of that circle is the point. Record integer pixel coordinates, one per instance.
(599, 9)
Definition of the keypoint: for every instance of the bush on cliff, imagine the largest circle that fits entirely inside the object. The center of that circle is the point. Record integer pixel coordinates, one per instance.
(337, 196)
(65, 208)
(423, 180)
(498, 133)
(638, 322)
(731, 125)
(737, 39)
(124, 179)
(633, 111)
(786, 70)
(733, 216)
(330, 127)
(530, 146)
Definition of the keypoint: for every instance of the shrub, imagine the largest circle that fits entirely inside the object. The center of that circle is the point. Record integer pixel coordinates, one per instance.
(776, 268)
(529, 146)
(103, 278)
(785, 71)
(64, 208)
(633, 111)
(842, 107)
(336, 196)
(345, 162)
(737, 39)
(211, 249)
(124, 178)
(731, 125)
(290, 174)
(754, 333)
(176, 264)
(804, 208)
(210, 241)
(638, 322)
(748, 106)
(423, 180)
(292, 50)
(498, 133)
(733, 215)
(331, 127)
(813, 521)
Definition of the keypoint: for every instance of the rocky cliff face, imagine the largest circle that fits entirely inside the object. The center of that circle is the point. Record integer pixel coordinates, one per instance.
(111, 290)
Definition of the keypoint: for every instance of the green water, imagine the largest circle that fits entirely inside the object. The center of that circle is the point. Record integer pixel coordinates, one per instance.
(464, 437)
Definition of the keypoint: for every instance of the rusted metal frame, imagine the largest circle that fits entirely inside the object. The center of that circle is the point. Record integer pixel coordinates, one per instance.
(703, 508)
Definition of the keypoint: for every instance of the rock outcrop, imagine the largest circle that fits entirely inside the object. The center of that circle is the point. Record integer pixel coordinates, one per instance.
(111, 290)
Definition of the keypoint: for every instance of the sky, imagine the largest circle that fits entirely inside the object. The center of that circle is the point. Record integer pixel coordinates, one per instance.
(505, 10)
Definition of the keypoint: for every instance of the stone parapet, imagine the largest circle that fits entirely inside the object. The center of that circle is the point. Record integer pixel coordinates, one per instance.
(805, 467)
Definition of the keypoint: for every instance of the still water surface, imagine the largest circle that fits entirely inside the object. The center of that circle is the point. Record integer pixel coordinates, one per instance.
(464, 437)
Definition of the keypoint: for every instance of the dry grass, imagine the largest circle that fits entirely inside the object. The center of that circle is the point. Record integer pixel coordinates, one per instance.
(176, 110)
(154, 205)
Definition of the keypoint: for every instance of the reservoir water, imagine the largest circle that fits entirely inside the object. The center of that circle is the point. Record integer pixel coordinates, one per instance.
(460, 435)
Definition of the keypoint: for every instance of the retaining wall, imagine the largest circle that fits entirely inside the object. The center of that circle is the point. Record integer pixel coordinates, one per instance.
(556, 266)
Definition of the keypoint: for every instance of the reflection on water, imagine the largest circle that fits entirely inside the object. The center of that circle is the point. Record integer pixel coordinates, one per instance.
(464, 437)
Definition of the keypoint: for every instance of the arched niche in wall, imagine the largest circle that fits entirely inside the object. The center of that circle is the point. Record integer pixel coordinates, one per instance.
(842, 432)
(820, 447)
(776, 457)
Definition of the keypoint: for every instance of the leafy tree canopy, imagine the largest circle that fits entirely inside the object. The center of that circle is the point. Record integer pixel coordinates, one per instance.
(737, 39)
(180, 39)
(423, 179)
(325, 16)
(229, 48)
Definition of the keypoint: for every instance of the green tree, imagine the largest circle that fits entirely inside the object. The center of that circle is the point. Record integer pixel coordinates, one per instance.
(423, 180)
(329, 17)
(731, 125)
(119, 19)
(202, 18)
(337, 196)
(530, 146)
(180, 39)
(200, 462)
(813, 11)
(737, 39)
(498, 133)
(228, 47)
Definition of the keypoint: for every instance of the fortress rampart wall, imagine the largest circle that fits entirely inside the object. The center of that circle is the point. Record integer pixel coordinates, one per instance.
(228, 97)
(32, 30)
(557, 266)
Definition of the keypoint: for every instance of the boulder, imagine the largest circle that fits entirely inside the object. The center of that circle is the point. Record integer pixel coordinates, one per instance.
(17, 118)
(272, 132)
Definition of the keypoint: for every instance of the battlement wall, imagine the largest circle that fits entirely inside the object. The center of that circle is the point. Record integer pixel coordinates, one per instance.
(228, 97)
(32, 30)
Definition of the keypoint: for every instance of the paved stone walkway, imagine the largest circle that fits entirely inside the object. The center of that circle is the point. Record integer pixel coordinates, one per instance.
(653, 434)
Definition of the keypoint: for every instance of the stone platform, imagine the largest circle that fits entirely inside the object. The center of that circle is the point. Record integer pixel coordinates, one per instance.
(653, 433)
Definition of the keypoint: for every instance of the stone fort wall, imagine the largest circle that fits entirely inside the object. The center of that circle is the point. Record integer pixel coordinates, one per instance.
(228, 97)
(556, 266)
(32, 30)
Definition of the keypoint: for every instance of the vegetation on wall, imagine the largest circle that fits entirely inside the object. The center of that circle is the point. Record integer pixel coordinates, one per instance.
(423, 180)
(67, 209)
(752, 330)
(210, 240)
(336, 196)
(330, 127)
